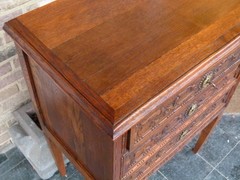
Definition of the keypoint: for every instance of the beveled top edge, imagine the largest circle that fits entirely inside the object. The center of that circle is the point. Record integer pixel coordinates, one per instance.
(192, 46)
(113, 121)
(139, 114)
(34, 48)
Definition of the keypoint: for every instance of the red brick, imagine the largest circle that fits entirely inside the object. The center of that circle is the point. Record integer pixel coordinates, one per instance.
(7, 52)
(31, 7)
(16, 62)
(11, 122)
(10, 51)
(10, 78)
(5, 68)
(3, 128)
(1, 41)
(14, 102)
(8, 92)
(4, 138)
(3, 56)
(7, 17)
(7, 38)
(22, 84)
(7, 4)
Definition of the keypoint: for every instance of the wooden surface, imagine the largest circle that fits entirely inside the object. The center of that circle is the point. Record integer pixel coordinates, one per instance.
(73, 126)
(121, 86)
(137, 45)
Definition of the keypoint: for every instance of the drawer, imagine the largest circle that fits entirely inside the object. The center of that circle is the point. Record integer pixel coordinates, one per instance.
(193, 105)
(209, 82)
(138, 163)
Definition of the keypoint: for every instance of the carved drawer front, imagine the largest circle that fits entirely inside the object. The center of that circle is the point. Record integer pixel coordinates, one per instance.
(142, 161)
(187, 110)
(194, 94)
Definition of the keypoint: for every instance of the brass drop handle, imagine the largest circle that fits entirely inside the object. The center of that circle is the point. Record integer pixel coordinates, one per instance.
(207, 80)
(192, 109)
(183, 134)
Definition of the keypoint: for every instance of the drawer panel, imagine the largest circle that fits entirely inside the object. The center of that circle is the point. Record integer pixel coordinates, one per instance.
(210, 81)
(166, 126)
(159, 157)
(140, 161)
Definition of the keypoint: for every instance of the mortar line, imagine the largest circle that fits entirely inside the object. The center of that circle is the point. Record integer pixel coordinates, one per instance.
(71, 175)
(214, 167)
(228, 153)
(208, 174)
(221, 173)
(162, 174)
(13, 167)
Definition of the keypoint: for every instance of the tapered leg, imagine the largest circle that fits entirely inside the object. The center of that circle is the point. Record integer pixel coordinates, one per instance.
(207, 131)
(205, 134)
(58, 157)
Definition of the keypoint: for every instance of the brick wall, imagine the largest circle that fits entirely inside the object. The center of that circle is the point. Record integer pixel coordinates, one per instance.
(13, 90)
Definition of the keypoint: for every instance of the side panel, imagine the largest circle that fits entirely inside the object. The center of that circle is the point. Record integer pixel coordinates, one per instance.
(70, 126)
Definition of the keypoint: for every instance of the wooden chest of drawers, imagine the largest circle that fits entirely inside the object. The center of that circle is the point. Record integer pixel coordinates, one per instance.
(121, 86)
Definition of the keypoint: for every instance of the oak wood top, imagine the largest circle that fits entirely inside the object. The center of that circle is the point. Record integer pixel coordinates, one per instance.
(121, 54)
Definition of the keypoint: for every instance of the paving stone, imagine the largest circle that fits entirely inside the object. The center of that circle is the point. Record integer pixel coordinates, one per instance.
(36, 152)
(230, 166)
(76, 176)
(70, 171)
(12, 152)
(22, 171)
(215, 176)
(186, 166)
(3, 158)
(157, 176)
(231, 125)
(217, 146)
(14, 158)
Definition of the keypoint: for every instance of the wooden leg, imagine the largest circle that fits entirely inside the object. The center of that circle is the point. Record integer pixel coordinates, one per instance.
(205, 134)
(207, 131)
(58, 157)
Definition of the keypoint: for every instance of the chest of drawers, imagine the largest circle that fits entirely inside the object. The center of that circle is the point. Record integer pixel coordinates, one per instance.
(121, 86)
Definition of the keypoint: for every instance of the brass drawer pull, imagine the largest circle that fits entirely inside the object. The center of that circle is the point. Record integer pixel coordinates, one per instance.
(207, 80)
(192, 109)
(183, 134)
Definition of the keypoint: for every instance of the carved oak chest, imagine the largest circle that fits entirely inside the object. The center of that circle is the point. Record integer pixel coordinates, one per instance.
(121, 86)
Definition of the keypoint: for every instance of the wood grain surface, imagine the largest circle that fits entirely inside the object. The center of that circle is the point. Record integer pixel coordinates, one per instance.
(128, 51)
(120, 87)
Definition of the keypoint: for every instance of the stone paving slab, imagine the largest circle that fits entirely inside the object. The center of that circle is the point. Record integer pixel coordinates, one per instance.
(218, 160)
(230, 166)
